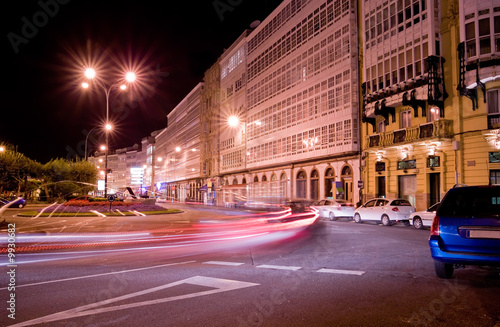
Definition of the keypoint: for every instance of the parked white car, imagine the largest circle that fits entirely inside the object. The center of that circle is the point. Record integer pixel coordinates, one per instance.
(420, 219)
(334, 209)
(385, 211)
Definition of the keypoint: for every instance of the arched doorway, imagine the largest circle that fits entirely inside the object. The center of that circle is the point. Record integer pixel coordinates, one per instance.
(283, 185)
(301, 184)
(347, 182)
(314, 185)
(329, 183)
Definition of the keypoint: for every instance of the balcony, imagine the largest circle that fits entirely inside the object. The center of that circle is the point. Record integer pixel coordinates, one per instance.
(438, 129)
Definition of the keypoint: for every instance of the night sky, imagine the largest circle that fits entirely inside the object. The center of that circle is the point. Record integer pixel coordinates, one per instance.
(44, 111)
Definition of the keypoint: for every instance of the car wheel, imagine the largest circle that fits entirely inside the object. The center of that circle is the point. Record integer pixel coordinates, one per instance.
(385, 220)
(357, 218)
(417, 223)
(21, 206)
(443, 270)
(332, 216)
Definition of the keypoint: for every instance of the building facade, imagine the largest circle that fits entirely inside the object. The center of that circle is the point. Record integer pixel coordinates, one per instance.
(178, 162)
(421, 134)
(336, 99)
(302, 103)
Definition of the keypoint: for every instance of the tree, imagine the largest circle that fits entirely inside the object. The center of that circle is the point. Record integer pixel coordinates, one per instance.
(15, 168)
(63, 178)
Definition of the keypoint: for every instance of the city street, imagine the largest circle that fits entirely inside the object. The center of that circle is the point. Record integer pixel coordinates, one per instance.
(331, 274)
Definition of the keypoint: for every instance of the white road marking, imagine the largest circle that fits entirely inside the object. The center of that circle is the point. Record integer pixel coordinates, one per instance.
(224, 263)
(340, 271)
(279, 267)
(219, 285)
(99, 275)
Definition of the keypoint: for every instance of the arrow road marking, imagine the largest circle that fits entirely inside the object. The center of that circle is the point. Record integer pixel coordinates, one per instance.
(219, 285)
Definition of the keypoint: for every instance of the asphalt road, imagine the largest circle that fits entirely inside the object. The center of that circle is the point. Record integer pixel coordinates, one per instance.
(331, 274)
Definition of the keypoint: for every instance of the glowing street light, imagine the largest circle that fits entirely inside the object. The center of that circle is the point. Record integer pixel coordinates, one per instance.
(233, 121)
(90, 73)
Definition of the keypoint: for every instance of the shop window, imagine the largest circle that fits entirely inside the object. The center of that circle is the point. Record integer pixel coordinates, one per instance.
(494, 157)
(314, 185)
(433, 161)
(407, 164)
(494, 177)
(329, 182)
(379, 166)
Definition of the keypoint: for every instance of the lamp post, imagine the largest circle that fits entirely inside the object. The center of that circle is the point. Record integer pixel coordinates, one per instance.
(90, 73)
(86, 140)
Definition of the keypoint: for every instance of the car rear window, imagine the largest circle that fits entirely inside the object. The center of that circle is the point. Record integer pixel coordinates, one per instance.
(480, 202)
(400, 203)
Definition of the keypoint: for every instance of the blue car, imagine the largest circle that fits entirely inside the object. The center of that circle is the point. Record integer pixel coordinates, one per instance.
(16, 202)
(466, 229)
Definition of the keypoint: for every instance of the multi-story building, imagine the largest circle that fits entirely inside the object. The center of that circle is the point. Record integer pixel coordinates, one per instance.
(301, 122)
(180, 159)
(278, 112)
(121, 163)
(420, 61)
(479, 88)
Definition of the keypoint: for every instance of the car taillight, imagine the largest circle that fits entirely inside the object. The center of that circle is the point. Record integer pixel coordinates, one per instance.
(395, 209)
(435, 226)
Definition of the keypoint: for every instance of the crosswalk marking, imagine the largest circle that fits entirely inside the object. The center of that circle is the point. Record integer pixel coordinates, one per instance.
(279, 267)
(224, 263)
(340, 271)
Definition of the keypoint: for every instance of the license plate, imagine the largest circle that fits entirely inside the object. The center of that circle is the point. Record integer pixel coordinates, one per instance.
(484, 234)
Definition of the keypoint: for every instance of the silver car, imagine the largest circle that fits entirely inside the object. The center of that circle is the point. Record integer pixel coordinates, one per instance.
(334, 209)
(385, 211)
(420, 219)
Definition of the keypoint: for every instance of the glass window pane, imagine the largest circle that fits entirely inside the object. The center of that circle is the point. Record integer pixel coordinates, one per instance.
(492, 102)
(470, 31)
(484, 27)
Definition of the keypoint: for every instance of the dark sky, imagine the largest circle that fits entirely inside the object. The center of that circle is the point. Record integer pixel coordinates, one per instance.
(44, 111)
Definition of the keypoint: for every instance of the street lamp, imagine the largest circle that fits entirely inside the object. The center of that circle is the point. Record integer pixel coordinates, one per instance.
(86, 140)
(90, 73)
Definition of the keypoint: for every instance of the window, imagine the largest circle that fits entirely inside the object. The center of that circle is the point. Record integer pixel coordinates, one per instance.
(494, 177)
(405, 118)
(493, 109)
(484, 36)
(381, 126)
(434, 113)
(370, 203)
(470, 39)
